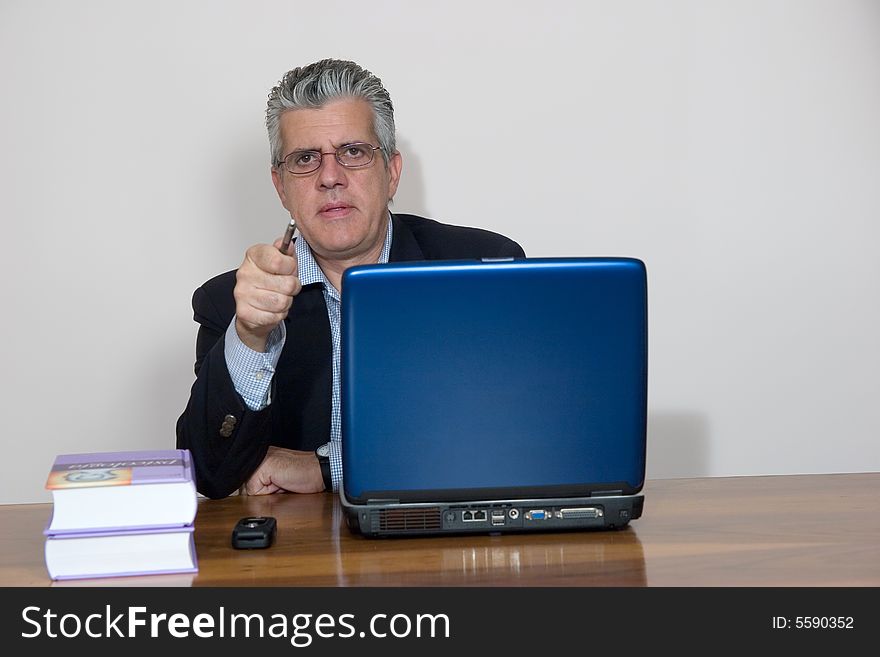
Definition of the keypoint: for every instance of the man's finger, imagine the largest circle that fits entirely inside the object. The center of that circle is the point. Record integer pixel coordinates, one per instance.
(269, 259)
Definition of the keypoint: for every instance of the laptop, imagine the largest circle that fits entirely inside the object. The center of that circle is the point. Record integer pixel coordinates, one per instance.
(493, 396)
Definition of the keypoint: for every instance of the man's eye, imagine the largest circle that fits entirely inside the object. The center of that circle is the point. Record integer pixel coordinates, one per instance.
(304, 159)
(354, 152)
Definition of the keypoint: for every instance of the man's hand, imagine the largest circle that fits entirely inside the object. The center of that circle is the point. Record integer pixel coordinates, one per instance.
(265, 286)
(286, 470)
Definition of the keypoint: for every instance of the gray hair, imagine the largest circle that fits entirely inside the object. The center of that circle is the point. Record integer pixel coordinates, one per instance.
(315, 85)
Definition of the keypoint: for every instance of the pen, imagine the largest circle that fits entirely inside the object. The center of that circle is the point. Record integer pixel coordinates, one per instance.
(288, 235)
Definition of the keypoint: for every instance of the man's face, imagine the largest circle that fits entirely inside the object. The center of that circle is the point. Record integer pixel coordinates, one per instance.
(340, 212)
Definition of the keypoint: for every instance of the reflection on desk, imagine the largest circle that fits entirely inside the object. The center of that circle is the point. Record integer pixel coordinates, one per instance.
(606, 558)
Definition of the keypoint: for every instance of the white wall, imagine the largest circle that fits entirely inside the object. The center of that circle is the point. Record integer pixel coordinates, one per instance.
(733, 146)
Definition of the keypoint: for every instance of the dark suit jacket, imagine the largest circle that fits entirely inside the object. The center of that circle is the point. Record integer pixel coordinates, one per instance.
(299, 415)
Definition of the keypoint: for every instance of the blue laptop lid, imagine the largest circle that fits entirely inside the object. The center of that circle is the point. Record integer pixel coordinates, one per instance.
(474, 379)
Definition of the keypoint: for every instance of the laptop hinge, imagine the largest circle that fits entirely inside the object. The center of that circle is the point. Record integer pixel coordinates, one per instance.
(606, 493)
(383, 500)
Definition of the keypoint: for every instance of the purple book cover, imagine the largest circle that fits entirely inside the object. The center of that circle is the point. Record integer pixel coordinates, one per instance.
(120, 468)
(119, 529)
(122, 532)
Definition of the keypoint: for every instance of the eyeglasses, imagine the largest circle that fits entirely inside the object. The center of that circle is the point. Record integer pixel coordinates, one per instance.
(351, 156)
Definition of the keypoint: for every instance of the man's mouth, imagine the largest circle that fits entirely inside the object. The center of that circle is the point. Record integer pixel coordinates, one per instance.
(334, 209)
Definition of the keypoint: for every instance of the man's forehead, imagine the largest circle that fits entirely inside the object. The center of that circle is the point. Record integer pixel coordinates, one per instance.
(338, 122)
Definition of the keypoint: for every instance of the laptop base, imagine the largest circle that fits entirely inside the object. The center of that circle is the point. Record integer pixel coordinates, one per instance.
(391, 518)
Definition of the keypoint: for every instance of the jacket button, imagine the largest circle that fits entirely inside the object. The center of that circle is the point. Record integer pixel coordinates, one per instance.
(228, 426)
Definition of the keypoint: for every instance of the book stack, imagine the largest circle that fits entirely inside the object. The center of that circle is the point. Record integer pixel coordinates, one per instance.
(121, 513)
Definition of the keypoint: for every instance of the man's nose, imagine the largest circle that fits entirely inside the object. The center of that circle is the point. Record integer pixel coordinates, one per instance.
(331, 173)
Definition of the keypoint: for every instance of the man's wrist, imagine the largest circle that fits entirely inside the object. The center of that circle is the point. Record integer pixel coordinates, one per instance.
(253, 341)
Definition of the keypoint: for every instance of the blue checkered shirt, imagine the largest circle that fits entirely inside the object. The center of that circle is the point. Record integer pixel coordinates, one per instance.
(252, 371)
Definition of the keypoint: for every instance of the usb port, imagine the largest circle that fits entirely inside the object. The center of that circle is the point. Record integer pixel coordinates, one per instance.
(498, 517)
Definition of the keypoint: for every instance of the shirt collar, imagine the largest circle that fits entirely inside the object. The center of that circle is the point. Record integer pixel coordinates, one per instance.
(310, 272)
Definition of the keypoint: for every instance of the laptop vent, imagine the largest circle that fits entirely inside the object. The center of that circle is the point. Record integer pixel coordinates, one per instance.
(407, 520)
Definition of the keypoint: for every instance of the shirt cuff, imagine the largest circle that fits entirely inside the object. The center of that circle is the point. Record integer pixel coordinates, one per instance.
(336, 464)
(252, 371)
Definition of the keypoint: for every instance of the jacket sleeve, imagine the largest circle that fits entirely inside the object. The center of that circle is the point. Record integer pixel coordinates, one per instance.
(228, 441)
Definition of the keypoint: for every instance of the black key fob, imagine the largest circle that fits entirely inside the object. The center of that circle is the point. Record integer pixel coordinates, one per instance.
(253, 532)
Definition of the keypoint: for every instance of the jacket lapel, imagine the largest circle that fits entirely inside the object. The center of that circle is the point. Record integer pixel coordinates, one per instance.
(403, 243)
(304, 374)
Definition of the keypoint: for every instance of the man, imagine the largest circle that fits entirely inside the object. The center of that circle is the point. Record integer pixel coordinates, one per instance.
(264, 413)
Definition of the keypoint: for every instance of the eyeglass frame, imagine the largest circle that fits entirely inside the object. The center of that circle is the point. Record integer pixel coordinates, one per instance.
(335, 154)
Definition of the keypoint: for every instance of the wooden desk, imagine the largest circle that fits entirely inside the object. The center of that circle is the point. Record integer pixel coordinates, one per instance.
(810, 530)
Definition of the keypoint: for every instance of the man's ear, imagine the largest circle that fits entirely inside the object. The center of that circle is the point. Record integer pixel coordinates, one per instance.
(395, 166)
